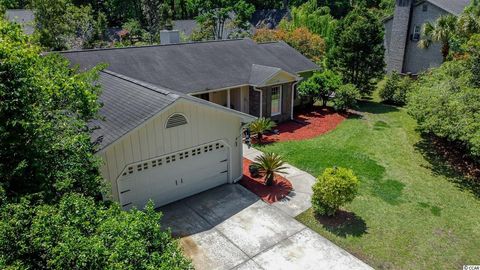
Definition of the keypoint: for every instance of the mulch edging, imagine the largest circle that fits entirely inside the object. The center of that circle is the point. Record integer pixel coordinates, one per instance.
(280, 189)
(307, 125)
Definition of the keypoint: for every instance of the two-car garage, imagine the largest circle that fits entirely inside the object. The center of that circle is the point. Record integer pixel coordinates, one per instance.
(163, 145)
(174, 176)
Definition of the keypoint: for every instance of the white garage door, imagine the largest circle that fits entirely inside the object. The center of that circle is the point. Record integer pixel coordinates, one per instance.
(172, 177)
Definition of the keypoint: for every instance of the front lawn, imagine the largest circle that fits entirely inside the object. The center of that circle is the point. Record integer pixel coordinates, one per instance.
(410, 213)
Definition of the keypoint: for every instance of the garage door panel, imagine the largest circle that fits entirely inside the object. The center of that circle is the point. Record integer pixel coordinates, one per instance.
(174, 176)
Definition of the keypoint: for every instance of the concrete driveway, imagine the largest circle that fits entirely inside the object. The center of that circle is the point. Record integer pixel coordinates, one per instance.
(228, 227)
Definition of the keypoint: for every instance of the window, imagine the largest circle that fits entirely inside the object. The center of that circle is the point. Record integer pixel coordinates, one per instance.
(276, 100)
(176, 120)
(416, 33)
(425, 8)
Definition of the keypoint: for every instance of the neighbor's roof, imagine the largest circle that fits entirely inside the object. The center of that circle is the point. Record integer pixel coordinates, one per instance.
(269, 18)
(127, 103)
(195, 67)
(23, 17)
(455, 7)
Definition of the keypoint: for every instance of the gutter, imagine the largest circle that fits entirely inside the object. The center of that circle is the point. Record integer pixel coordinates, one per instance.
(293, 99)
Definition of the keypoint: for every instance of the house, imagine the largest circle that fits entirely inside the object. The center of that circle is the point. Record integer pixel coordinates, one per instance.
(403, 32)
(174, 114)
(24, 17)
(263, 18)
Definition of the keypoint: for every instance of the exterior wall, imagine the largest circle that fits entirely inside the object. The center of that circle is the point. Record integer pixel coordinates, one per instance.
(402, 54)
(254, 102)
(236, 99)
(152, 139)
(418, 59)
(266, 104)
(219, 97)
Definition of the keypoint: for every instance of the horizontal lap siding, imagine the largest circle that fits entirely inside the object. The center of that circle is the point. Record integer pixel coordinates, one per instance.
(152, 140)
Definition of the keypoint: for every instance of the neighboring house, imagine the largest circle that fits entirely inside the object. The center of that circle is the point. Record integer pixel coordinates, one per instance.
(24, 17)
(403, 32)
(264, 18)
(174, 114)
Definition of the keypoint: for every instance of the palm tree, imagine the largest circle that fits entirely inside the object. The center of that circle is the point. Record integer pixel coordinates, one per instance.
(268, 164)
(261, 125)
(469, 21)
(441, 31)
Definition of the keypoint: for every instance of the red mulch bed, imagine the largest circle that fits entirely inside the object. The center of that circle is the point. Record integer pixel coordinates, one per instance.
(307, 125)
(280, 189)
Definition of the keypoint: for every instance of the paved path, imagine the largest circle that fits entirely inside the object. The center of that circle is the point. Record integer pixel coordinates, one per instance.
(299, 199)
(229, 227)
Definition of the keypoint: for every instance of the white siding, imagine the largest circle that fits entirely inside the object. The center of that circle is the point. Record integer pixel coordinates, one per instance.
(152, 139)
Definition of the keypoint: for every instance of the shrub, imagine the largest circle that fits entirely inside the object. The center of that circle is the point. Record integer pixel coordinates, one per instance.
(261, 125)
(334, 188)
(268, 164)
(320, 86)
(346, 97)
(78, 233)
(445, 103)
(395, 89)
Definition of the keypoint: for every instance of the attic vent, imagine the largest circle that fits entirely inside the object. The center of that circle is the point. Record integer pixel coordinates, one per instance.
(176, 120)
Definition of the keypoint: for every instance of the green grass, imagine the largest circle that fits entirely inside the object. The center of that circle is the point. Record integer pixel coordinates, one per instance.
(410, 213)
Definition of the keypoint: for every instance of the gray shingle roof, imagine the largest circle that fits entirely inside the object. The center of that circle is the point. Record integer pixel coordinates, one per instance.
(195, 67)
(455, 7)
(23, 17)
(126, 105)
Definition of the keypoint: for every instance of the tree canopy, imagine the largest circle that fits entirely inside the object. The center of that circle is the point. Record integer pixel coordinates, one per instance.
(51, 212)
(358, 53)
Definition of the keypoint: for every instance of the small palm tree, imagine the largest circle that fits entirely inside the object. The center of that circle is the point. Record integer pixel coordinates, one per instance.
(441, 31)
(261, 125)
(268, 164)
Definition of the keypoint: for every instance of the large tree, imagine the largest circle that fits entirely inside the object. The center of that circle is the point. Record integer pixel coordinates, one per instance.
(51, 216)
(359, 51)
(45, 148)
(214, 14)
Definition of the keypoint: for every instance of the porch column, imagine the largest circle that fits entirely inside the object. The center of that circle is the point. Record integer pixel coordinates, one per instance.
(228, 98)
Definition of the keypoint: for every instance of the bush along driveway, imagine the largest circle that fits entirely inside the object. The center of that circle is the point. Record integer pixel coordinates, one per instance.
(410, 213)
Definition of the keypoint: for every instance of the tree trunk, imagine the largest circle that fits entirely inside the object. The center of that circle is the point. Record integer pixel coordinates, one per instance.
(269, 179)
(259, 137)
(445, 50)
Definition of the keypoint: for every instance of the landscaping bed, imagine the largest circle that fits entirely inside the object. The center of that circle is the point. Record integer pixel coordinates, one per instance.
(307, 125)
(280, 189)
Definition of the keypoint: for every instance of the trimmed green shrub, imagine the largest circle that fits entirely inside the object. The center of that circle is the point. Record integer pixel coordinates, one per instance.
(260, 126)
(334, 188)
(346, 97)
(396, 89)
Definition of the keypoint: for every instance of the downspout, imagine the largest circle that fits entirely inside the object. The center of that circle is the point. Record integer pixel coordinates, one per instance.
(293, 98)
(261, 100)
(242, 126)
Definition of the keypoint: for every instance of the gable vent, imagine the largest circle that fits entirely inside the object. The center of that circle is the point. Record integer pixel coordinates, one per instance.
(176, 120)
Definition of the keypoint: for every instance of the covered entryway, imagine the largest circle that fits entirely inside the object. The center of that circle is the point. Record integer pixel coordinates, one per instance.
(175, 176)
